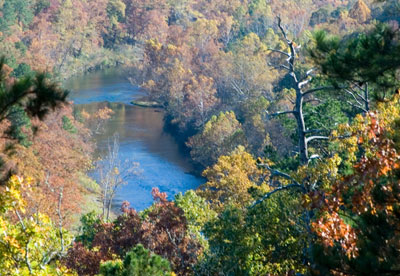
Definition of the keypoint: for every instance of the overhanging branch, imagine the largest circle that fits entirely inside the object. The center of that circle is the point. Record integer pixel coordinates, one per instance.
(309, 139)
(278, 173)
(282, 188)
(280, 113)
(279, 51)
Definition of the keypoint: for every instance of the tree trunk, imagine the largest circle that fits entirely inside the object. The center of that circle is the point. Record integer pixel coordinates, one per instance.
(301, 128)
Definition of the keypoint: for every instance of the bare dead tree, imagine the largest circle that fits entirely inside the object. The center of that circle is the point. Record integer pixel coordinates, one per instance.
(114, 173)
(301, 87)
(303, 93)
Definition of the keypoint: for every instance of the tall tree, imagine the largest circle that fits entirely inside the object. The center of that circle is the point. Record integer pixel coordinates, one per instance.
(364, 67)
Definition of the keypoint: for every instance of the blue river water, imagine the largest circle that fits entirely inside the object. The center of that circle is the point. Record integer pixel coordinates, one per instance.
(143, 138)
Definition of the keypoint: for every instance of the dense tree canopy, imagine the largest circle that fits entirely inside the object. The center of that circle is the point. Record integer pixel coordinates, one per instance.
(295, 120)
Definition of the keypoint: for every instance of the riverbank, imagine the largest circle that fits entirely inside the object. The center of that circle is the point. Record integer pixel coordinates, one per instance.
(144, 137)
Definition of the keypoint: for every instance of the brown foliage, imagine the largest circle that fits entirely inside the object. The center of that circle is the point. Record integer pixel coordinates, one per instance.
(54, 162)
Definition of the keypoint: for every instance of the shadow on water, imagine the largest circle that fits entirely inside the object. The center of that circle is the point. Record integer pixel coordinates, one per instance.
(143, 138)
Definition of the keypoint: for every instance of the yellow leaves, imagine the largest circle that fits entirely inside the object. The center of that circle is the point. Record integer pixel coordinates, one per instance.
(154, 44)
(10, 196)
(26, 237)
(252, 45)
(150, 84)
(306, 201)
(230, 179)
(172, 49)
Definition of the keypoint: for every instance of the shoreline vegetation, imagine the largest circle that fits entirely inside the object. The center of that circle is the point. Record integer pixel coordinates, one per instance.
(145, 102)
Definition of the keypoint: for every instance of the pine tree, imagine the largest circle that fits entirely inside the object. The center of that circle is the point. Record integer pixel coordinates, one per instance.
(36, 95)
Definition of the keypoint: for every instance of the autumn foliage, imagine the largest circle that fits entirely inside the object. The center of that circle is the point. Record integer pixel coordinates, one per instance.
(162, 228)
(359, 216)
(319, 199)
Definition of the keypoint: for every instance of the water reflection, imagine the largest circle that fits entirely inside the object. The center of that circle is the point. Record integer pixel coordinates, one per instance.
(142, 137)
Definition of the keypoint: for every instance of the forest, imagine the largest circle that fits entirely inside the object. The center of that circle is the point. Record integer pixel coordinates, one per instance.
(289, 111)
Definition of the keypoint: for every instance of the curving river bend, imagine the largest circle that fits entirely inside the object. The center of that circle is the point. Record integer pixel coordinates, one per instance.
(142, 135)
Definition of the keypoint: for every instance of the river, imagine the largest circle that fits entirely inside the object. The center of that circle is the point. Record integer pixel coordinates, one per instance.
(143, 138)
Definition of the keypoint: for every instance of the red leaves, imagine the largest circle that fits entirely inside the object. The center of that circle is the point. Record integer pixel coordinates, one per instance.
(158, 196)
(163, 230)
(331, 228)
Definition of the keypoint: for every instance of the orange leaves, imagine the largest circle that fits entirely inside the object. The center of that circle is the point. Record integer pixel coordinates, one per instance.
(331, 228)
(158, 196)
(372, 190)
(54, 161)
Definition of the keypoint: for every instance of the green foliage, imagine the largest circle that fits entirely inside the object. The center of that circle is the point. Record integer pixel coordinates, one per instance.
(116, 11)
(267, 239)
(87, 230)
(391, 11)
(197, 213)
(319, 16)
(78, 116)
(22, 70)
(111, 268)
(365, 58)
(68, 125)
(139, 261)
(20, 125)
(220, 135)
(326, 116)
(41, 5)
(19, 45)
(16, 11)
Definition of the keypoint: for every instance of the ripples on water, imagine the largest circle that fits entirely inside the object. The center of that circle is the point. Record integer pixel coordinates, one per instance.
(142, 136)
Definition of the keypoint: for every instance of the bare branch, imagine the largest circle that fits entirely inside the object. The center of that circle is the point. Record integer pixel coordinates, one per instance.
(356, 106)
(60, 222)
(351, 93)
(292, 55)
(20, 219)
(282, 29)
(313, 100)
(279, 51)
(282, 188)
(304, 82)
(309, 139)
(279, 66)
(27, 261)
(276, 173)
(280, 113)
